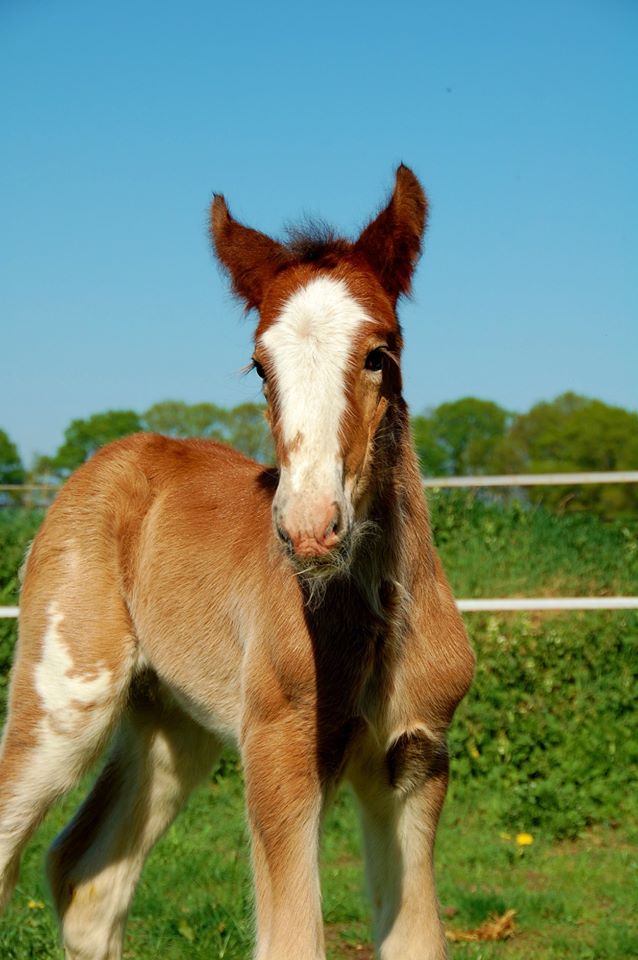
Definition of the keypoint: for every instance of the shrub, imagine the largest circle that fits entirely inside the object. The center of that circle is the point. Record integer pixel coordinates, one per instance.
(17, 528)
(548, 736)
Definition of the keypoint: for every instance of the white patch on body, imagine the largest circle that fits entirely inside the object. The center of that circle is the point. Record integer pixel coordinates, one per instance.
(309, 346)
(59, 689)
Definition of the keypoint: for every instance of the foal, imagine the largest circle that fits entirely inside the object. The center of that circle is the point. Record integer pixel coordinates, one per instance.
(179, 597)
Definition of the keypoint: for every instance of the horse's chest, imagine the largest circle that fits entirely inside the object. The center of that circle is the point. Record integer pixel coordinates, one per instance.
(356, 684)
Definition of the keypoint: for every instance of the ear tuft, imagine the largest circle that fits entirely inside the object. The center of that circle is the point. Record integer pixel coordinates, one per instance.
(219, 216)
(251, 258)
(391, 244)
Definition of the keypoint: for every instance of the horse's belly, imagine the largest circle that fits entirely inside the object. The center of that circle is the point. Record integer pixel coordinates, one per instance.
(197, 654)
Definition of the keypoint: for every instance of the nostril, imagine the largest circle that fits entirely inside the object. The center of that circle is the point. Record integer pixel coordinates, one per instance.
(335, 526)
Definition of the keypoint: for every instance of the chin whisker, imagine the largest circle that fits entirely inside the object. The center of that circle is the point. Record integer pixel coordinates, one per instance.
(314, 574)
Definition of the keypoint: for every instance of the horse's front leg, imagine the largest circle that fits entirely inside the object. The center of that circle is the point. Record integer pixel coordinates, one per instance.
(401, 795)
(284, 798)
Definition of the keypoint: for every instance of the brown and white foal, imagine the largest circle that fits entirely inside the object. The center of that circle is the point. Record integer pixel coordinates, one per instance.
(179, 597)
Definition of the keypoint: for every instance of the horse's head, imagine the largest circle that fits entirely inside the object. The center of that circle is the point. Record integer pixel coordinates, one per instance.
(328, 349)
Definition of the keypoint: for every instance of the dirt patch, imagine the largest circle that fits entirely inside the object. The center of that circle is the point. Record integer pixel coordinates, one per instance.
(339, 943)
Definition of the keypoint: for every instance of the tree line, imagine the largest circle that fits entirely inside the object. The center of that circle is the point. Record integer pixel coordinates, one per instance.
(463, 437)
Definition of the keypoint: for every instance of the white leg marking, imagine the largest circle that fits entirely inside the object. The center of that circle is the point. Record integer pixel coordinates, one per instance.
(398, 835)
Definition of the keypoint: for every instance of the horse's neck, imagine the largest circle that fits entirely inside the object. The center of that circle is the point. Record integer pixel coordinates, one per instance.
(403, 544)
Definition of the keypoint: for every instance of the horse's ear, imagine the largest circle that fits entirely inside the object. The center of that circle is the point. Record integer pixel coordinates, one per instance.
(251, 258)
(391, 244)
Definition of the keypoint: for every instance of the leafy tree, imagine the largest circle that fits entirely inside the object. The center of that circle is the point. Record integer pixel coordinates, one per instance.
(83, 437)
(465, 436)
(174, 418)
(459, 437)
(573, 433)
(243, 427)
(248, 431)
(431, 456)
(11, 469)
(468, 431)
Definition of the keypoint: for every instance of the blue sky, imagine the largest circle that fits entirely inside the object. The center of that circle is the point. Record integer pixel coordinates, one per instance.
(121, 118)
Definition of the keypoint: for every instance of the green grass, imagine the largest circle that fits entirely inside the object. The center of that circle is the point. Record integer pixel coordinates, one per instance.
(530, 753)
(491, 549)
(575, 899)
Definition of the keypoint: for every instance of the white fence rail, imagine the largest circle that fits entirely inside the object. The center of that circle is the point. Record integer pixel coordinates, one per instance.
(8, 613)
(548, 603)
(505, 604)
(535, 479)
(471, 605)
(500, 480)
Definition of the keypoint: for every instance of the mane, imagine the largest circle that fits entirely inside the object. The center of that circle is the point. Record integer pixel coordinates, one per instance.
(314, 241)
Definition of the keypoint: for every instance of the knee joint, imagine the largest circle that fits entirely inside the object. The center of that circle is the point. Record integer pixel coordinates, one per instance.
(415, 757)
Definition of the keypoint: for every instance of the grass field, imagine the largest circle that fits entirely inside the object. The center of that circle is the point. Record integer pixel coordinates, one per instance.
(574, 900)
(546, 744)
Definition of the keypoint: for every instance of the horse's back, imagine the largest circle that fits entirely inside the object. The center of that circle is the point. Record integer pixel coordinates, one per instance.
(134, 524)
(102, 512)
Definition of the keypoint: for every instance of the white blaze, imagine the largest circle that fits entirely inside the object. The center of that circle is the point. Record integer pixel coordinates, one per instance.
(309, 346)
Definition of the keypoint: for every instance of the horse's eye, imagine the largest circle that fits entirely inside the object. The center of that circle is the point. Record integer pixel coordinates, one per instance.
(259, 370)
(374, 360)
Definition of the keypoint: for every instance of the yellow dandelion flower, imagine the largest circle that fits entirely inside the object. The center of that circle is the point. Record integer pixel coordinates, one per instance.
(524, 839)
(35, 905)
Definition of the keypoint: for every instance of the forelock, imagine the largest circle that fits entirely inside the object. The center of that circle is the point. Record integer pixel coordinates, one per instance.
(314, 241)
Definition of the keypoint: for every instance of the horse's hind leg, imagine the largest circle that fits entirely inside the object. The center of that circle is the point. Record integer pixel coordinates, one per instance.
(69, 682)
(159, 755)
